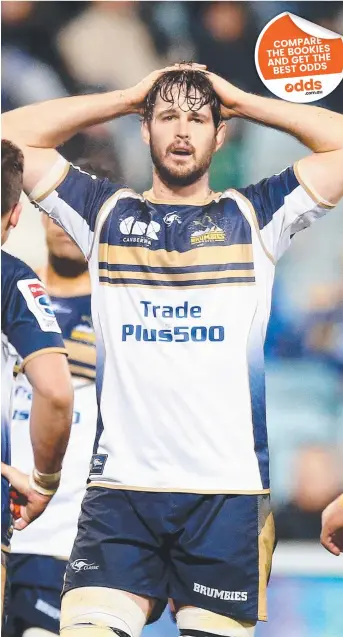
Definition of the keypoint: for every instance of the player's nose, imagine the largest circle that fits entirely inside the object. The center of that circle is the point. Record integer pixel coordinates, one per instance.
(183, 133)
(183, 129)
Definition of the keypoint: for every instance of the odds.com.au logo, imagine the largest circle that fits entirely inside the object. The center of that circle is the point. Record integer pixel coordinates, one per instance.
(308, 87)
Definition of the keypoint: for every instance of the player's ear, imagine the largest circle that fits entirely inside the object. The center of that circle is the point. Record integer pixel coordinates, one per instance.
(145, 129)
(220, 135)
(15, 214)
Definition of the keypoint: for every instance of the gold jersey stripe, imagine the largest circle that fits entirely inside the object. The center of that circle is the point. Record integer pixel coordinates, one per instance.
(148, 194)
(137, 255)
(266, 541)
(79, 370)
(81, 352)
(52, 180)
(192, 276)
(6, 549)
(40, 352)
(125, 487)
(314, 196)
(83, 336)
(255, 222)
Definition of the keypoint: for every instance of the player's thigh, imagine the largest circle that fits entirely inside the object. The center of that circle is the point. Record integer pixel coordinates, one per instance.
(197, 622)
(222, 560)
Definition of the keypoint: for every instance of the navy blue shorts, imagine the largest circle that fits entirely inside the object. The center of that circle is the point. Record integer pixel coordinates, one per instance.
(209, 551)
(35, 596)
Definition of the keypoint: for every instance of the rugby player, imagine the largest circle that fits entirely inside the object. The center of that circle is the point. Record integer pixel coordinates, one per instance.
(29, 329)
(178, 501)
(332, 526)
(38, 556)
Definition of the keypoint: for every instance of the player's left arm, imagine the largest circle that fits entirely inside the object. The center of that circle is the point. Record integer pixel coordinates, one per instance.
(317, 128)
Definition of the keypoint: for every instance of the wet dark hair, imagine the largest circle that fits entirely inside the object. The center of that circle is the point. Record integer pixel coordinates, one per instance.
(12, 168)
(186, 82)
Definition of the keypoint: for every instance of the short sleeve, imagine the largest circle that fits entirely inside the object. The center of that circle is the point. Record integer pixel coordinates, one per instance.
(282, 206)
(28, 320)
(74, 199)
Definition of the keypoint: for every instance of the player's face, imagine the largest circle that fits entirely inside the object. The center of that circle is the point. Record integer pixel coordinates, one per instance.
(182, 141)
(59, 243)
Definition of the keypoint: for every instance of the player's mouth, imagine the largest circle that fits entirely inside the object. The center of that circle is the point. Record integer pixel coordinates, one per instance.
(181, 152)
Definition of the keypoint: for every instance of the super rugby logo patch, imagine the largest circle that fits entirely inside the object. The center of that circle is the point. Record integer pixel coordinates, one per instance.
(41, 299)
(38, 302)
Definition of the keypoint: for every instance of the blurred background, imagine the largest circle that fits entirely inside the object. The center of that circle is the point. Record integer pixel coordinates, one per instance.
(53, 49)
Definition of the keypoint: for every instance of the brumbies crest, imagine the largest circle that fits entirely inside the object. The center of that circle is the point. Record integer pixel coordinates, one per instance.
(205, 230)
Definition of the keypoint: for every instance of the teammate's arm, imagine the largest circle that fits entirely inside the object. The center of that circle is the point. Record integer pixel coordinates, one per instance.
(319, 129)
(50, 422)
(51, 412)
(39, 128)
(332, 526)
(31, 327)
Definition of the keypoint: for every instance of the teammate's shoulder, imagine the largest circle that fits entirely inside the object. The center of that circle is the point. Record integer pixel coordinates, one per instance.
(13, 268)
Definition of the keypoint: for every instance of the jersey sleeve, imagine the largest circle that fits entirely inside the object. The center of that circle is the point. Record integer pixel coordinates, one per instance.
(28, 319)
(74, 199)
(283, 205)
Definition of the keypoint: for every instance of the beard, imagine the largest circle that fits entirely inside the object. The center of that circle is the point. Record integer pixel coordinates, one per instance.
(67, 268)
(181, 175)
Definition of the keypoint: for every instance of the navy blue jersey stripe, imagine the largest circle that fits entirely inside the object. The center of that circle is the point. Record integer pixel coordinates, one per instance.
(170, 270)
(78, 363)
(120, 281)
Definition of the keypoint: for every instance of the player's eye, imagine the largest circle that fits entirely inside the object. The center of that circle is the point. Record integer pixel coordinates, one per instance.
(198, 120)
(168, 118)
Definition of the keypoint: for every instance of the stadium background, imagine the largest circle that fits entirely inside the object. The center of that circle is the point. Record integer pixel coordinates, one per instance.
(53, 49)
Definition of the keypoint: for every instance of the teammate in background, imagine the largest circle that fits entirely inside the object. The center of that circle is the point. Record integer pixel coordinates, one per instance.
(178, 502)
(30, 330)
(332, 526)
(38, 555)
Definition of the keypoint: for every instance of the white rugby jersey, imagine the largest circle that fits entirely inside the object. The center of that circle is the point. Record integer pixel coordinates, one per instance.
(181, 298)
(54, 532)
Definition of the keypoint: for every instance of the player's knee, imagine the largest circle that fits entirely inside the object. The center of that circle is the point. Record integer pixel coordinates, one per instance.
(197, 622)
(98, 611)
